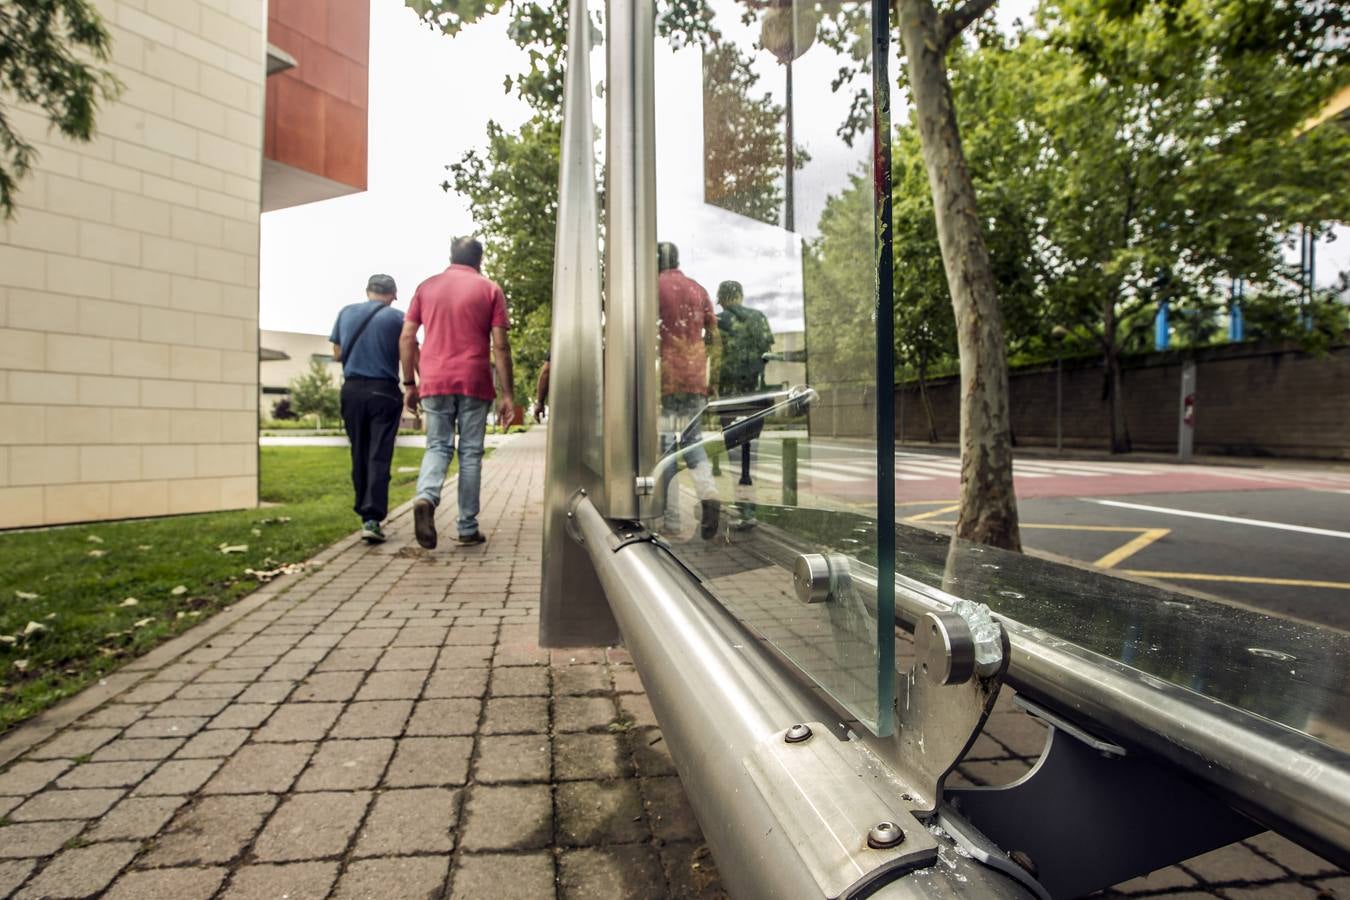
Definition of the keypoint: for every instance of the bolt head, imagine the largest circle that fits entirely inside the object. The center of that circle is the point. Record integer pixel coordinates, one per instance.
(797, 733)
(885, 835)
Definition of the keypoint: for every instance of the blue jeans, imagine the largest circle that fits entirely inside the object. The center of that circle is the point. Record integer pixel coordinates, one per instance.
(443, 413)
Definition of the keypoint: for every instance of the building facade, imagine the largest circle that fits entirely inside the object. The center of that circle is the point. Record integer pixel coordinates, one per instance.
(286, 355)
(129, 273)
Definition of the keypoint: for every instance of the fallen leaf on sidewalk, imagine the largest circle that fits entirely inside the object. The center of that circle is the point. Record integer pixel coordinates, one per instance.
(266, 575)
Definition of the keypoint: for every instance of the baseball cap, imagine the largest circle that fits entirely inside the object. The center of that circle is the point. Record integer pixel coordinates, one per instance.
(381, 284)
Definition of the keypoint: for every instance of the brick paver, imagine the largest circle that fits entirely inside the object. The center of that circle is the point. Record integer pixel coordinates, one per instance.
(387, 726)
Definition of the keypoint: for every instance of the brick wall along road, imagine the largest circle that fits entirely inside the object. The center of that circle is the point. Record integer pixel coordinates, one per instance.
(387, 726)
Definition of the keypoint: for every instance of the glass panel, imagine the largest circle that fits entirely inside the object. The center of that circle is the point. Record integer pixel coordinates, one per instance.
(768, 342)
(1290, 672)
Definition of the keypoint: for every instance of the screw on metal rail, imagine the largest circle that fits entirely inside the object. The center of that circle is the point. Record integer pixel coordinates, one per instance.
(797, 733)
(885, 835)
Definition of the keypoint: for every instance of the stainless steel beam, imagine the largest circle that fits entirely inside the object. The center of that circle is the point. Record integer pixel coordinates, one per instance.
(631, 381)
(573, 611)
(718, 698)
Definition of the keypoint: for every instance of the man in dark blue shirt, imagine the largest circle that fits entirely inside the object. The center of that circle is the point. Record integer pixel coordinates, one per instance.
(365, 340)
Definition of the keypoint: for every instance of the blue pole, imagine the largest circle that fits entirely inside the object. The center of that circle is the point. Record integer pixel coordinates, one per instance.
(1235, 329)
(1161, 335)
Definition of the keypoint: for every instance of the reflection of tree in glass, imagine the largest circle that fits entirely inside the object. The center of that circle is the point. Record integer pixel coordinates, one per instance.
(743, 145)
(839, 288)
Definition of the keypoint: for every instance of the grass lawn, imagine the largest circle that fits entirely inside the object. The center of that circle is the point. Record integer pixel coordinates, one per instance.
(77, 602)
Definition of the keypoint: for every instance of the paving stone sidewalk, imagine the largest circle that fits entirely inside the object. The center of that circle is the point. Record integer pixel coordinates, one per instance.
(387, 726)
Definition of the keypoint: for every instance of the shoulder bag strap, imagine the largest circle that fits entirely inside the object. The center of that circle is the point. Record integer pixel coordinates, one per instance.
(361, 329)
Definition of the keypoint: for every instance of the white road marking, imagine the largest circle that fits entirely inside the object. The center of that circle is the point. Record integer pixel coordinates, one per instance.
(1235, 520)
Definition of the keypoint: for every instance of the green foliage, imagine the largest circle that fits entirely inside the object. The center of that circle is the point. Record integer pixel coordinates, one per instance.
(1167, 140)
(743, 141)
(314, 394)
(1128, 155)
(46, 48)
(839, 291)
(75, 582)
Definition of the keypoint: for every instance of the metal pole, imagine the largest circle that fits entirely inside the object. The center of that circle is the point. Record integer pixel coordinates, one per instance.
(630, 379)
(1186, 433)
(789, 192)
(1059, 400)
(790, 472)
(721, 700)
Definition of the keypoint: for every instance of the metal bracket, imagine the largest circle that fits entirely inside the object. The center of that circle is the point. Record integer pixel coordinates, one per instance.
(944, 700)
(572, 502)
(627, 533)
(1087, 816)
(840, 810)
(817, 578)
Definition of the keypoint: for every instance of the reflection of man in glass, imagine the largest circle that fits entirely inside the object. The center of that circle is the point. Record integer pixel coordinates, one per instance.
(687, 328)
(746, 337)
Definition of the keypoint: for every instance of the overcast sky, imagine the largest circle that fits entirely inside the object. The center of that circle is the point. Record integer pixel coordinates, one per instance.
(430, 100)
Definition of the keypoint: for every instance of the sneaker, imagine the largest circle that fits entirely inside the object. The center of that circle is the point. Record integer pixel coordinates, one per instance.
(424, 522)
(710, 513)
(371, 532)
(469, 539)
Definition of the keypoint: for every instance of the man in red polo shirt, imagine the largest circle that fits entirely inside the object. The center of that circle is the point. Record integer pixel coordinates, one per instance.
(463, 315)
(689, 335)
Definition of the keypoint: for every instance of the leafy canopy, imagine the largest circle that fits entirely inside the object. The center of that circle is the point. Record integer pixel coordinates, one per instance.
(44, 45)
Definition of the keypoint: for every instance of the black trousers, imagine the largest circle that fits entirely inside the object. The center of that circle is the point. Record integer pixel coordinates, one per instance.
(371, 410)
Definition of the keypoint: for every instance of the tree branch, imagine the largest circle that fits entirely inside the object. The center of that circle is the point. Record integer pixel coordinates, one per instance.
(955, 21)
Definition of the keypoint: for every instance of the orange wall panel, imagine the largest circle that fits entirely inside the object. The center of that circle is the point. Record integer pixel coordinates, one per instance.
(317, 111)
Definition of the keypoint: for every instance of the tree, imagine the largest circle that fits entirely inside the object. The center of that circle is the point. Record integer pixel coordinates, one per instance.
(512, 190)
(742, 138)
(1118, 164)
(314, 393)
(41, 42)
(1167, 137)
(988, 502)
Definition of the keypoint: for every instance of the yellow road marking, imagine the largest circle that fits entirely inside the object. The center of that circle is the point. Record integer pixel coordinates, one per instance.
(1145, 536)
(933, 512)
(1238, 579)
(1123, 552)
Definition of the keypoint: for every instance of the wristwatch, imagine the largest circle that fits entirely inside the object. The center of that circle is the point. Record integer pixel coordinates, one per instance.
(410, 384)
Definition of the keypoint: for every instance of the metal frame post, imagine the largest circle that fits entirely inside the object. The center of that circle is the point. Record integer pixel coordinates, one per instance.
(632, 375)
(573, 609)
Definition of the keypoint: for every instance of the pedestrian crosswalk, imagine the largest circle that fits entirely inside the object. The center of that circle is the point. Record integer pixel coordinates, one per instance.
(928, 467)
(837, 466)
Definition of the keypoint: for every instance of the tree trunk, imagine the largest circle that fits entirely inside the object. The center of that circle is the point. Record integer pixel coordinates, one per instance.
(988, 502)
(927, 403)
(1120, 435)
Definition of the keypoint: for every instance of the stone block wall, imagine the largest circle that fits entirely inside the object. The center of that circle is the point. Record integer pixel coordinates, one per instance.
(129, 281)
